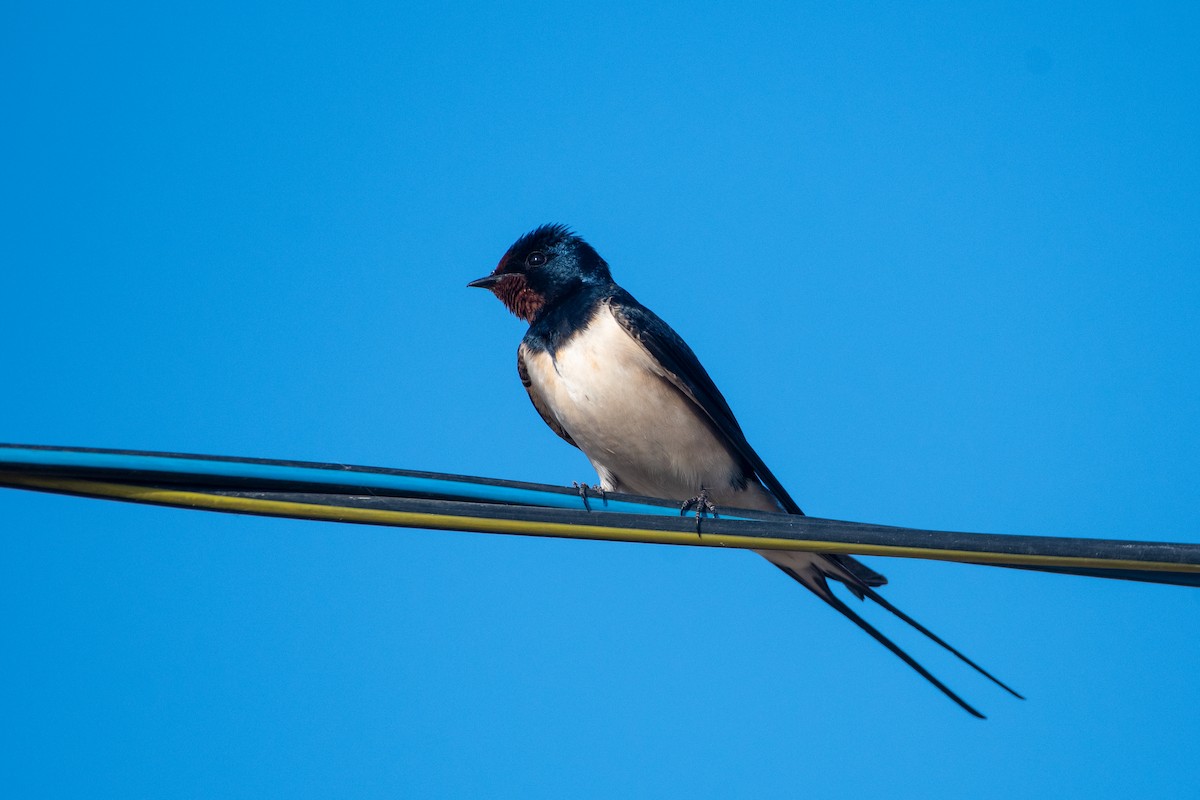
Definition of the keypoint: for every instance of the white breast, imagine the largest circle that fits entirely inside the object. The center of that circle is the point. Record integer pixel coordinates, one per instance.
(640, 433)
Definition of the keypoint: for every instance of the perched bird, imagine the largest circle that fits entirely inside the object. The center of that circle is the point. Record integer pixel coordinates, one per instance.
(614, 380)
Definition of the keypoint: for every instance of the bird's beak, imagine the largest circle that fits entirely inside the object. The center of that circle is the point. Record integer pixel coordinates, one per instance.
(485, 282)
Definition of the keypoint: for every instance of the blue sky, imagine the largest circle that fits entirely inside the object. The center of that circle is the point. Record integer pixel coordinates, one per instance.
(941, 258)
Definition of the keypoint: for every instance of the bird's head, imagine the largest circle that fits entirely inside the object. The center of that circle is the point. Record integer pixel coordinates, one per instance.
(543, 267)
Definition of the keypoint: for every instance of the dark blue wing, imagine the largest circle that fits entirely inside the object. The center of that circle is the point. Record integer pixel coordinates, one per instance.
(689, 376)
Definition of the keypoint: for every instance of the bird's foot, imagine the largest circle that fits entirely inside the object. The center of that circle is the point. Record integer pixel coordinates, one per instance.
(583, 490)
(702, 503)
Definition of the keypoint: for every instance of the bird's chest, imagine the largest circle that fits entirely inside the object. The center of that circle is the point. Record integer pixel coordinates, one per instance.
(599, 384)
(618, 406)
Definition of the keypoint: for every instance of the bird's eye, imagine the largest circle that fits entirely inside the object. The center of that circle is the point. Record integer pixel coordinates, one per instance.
(535, 259)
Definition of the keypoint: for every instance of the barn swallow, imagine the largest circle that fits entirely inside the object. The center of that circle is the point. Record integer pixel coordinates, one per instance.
(611, 378)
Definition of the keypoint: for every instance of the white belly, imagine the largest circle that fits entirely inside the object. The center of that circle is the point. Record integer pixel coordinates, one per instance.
(641, 434)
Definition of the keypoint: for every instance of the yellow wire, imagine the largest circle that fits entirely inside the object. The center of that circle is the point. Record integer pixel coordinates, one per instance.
(412, 519)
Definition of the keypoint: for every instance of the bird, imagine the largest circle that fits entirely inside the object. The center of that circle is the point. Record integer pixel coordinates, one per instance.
(613, 379)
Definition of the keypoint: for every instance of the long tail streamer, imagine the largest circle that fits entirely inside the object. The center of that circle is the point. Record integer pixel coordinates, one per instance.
(407, 499)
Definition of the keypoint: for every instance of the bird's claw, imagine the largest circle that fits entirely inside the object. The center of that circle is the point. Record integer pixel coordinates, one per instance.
(583, 490)
(702, 503)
